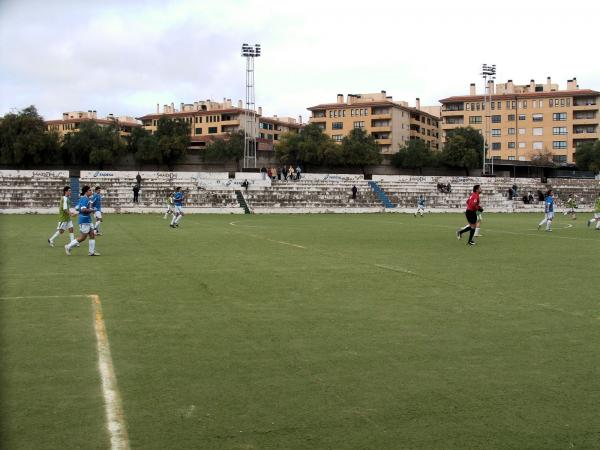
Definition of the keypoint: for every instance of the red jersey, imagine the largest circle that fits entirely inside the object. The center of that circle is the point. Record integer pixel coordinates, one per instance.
(473, 202)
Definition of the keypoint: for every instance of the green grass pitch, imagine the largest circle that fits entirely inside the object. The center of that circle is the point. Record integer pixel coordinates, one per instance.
(305, 332)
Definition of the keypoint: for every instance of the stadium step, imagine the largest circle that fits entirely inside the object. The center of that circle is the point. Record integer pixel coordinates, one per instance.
(74, 190)
(381, 194)
(242, 201)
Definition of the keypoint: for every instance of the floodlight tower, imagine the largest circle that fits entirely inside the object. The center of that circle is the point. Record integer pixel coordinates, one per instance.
(250, 52)
(487, 71)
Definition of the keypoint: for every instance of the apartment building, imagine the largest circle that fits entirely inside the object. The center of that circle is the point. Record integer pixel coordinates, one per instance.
(71, 121)
(391, 123)
(209, 119)
(522, 122)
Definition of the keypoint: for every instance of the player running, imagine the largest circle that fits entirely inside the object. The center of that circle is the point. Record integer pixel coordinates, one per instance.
(97, 205)
(596, 217)
(178, 198)
(85, 223)
(548, 210)
(571, 206)
(169, 205)
(471, 213)
(64, 217)
(420, 205)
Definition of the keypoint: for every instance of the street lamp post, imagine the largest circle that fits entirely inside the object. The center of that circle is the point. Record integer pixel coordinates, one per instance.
(487, 71)
(250, 52)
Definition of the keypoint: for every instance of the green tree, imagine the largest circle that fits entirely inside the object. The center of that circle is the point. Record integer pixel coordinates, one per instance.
(24, 141)
(587, 156)
(360, 149)
(93, 144)
(228, 148)
(143, 145)
(310, 147)
(463, 149)
(173, 138)
(414, 155)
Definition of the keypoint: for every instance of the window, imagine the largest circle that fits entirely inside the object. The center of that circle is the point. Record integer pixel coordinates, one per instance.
(559, 116)
(212, 130)
(337, 137)
(511, 158)
(499, 105)
(559, 144)
(521, 116)
(337, 125)
(514, 104)
(541, 103)
(198, 119)
(550, 103)
(507, 104)
(496, 145)
(475, 119)
(521, 131)
(495, 132)
(511, 117)
(538, 145)
(538, 131)
(468, 107)
(537, 117)
(562, 102)
(493, 104)
(534, 104)
(521, 144)
(559, 158)
(524, 104)
(359, 124)
(496, 119)
(512, 130)
(198, 130)
(559, 130)
(511, 145)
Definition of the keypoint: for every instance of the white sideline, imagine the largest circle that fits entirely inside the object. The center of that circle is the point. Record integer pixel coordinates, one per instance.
(115, 418)
(235, 224)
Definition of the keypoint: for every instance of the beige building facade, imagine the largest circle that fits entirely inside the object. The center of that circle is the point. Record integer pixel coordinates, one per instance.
(72, 120)
(391, 123)
(209, 120)
(524, 122)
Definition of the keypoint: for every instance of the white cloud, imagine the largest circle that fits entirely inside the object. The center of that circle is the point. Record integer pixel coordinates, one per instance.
(124, 57)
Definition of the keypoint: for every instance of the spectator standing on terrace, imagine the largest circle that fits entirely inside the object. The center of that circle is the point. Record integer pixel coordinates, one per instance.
(548, 211)
(136, 193)
(354, 191)
(269, 173)
(596, 217)
(245, 185)
(471, 213)
(283, 173)
(138, 179)
(298, 172)
(64, 217)
(291, 172)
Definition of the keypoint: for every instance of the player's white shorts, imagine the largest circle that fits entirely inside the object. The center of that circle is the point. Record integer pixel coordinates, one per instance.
(597, 216)
(64, 225)
(178, 209)
(550, 216)
(98, 215)
(85, 228)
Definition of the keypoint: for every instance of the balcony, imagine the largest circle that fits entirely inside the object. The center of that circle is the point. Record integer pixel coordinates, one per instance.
(386, 141)
(381, 128)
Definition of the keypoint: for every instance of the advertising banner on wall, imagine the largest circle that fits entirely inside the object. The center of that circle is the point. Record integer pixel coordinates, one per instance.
(332, 177)
(35, 174)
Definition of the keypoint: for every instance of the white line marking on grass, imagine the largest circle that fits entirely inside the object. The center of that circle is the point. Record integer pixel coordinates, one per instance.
(267, 239)
(235, 224)
(44, 296)
(395, 269)
(115, 417)
(564, 311)
(112, 398)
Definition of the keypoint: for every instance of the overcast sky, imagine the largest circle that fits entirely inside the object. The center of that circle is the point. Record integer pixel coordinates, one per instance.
(123, 57)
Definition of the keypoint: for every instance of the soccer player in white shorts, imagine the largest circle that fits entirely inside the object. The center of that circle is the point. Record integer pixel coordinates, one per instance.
(64, 217)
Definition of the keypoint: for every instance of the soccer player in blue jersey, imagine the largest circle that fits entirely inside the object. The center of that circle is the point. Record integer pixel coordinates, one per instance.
(178, 198)
(549, 211)
(420, 205)
(97, 204)
(86, 209)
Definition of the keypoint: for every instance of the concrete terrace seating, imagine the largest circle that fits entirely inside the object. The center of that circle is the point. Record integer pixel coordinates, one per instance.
(31, 190)
(118, 193)
(313, 196)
